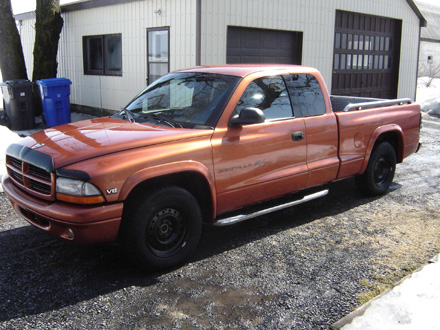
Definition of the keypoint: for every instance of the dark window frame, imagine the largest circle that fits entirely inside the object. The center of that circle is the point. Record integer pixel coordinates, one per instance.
(87, 55)
(149, 62)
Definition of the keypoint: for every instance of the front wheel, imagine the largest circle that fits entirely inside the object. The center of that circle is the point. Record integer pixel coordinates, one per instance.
(380, 171)
(161, 229)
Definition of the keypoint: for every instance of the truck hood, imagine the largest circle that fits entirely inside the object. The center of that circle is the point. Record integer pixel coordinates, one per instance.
(74, 142)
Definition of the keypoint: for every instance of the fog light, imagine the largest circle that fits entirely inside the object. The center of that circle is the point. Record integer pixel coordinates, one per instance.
(70, 233)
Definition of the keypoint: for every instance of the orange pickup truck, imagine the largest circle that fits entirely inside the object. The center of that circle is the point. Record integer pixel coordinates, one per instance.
(218, 144)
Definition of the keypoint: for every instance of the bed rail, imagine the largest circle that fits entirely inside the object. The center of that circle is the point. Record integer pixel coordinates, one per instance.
(376, 104)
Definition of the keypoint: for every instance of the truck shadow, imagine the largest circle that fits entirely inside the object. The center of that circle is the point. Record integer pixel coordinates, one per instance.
(343, 196)
(41, 274)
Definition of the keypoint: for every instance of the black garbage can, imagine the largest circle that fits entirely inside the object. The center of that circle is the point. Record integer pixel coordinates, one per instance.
(18, 104)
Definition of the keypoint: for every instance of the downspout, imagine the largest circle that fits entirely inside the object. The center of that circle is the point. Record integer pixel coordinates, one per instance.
(418, 61)
(198, 32)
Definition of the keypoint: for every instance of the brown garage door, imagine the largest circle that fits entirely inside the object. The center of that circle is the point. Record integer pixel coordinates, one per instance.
(366, 55)
(247, 45)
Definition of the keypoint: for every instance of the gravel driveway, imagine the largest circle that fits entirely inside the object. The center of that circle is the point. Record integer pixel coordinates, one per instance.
(302, 268)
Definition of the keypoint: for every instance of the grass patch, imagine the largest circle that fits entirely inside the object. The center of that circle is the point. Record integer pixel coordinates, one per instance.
(374, 289)
(383, 282)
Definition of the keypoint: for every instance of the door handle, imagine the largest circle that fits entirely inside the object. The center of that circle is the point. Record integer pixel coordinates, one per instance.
(297, 136)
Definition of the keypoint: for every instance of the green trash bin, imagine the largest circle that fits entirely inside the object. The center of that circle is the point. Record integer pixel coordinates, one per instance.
(18, 104)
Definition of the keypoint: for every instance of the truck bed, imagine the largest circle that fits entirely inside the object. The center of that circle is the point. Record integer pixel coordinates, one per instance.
(350, 103)
(358, 130)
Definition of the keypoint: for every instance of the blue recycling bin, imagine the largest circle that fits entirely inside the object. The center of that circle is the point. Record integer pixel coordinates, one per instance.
(55, 99)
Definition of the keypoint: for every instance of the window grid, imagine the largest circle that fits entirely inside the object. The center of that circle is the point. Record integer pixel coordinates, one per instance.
(362, 52)
(158, 54)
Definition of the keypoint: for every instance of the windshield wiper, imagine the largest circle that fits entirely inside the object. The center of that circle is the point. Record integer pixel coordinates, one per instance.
(128, 114)
(162, 119)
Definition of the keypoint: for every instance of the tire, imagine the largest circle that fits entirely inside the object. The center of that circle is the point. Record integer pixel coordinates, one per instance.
(380, 171)
(161, 229)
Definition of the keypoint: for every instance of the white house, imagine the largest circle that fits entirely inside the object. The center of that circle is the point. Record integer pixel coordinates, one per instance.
(108, 48)
(429, 62)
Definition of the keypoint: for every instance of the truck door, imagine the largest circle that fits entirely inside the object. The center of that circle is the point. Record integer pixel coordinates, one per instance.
(321, 129)
(260, 161)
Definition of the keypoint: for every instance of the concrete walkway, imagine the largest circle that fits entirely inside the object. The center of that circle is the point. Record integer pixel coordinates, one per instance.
(75, 116)
(413, 304)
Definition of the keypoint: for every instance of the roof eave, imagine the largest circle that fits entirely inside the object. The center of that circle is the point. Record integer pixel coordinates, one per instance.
(412, 4)
(88, 4)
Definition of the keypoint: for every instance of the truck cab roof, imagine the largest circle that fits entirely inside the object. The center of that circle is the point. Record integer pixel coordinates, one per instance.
(243, 70)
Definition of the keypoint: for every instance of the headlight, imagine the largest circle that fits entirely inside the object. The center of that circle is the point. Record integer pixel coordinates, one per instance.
(78, 192)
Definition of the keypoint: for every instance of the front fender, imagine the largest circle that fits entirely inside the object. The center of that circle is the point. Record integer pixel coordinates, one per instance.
(162, 170)
(391, 128)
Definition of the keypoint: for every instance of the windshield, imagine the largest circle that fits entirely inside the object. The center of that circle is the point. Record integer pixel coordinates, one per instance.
(183, 100)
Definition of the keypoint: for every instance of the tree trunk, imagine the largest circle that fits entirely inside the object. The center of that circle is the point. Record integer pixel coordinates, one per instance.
(48, 26)
(12, 63)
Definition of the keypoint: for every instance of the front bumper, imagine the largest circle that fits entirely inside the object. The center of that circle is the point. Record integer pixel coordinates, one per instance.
(81, 224)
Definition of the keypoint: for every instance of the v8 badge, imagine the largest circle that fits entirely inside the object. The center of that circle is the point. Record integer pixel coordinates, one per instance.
(111, 191)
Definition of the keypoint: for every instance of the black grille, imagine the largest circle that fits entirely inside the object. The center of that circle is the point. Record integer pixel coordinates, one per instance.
(16, 163)
(41, 187)
(39, 172)
(18, 177)
(31, 178)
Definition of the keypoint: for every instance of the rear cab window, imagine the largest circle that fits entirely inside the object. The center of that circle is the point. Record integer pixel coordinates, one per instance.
(305, 94)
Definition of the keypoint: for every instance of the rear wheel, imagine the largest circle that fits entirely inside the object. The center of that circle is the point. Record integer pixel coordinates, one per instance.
(162, 229)
(380, 171)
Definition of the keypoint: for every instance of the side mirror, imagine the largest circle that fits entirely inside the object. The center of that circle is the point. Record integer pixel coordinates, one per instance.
(247, 116)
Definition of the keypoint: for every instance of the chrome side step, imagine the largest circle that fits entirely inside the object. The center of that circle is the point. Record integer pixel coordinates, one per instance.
(243, 217)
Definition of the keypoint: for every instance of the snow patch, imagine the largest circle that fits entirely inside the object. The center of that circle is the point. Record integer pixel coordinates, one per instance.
(429, 97)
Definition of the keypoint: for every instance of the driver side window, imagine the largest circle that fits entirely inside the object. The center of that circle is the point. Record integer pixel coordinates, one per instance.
(268, 94)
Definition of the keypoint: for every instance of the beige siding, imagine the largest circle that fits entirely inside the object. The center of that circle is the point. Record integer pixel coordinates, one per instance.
(316, 19)
(132, 21)
(26, 28)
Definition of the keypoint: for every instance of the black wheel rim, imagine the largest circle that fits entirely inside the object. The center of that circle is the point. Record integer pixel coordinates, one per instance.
(382, 170)
(166, 232)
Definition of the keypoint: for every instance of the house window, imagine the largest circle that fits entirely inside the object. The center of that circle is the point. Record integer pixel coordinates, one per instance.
(158, 53)
(102, 55)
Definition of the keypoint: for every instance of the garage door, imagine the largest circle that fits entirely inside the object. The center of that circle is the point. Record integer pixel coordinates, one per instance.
(366, 55)
(247, 45)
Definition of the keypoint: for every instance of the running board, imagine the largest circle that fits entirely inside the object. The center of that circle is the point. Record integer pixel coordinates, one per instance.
(243, 217)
